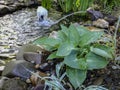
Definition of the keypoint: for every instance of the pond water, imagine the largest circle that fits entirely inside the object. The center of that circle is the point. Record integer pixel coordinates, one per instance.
(19, 28)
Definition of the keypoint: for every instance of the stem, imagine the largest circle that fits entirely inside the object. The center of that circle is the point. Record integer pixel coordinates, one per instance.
(68, 16)
(115, 35)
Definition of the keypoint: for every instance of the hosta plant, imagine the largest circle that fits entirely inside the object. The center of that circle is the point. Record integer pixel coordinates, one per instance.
(80, 50)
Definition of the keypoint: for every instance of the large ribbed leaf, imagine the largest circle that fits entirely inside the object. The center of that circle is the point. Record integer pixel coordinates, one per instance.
(76, 76)
(82, 30)
(74, 36)
(46, 41)
(65, 49)
(72, 61)
(95, 61)
(103, 51)
(90, 37)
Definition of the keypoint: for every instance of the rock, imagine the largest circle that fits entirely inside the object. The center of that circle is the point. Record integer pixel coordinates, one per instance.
(2, 2)
(12, 8)
(20, 68)
(8, 2)
(2, 68)
(54, 34)
(98, 81)
(7, 6)
(27, 48)
(14, 84)
(33, 57)
(101, 23)
(4, 9)
(47, 66)
(40, 87)
(2, 80)
(94, 14)
(111, 19)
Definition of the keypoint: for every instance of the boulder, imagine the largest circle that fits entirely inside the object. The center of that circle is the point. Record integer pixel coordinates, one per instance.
(4, 9)
(20, 68)
(111, 19)
(95, 15)
(2, 80)
(33, 57)
(14, 84)
(27, 48)
(8, 6)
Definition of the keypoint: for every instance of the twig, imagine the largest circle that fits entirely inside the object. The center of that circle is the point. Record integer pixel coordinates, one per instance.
(115, 35)
(68, 16)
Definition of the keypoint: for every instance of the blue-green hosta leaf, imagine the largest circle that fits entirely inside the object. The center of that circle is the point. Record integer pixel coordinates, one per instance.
(59, 66)
(62, 36)
(101, 52)
(82, 30)
(53, 55)
(76, 76)
(65, 49)
(54, 82)
(108, 50)
(65, 30)
(90, 37)
(72, 61)
(95, 61)
(73, 35)
(46, 41)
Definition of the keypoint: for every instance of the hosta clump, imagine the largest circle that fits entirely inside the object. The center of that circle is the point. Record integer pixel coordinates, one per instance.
(79, 49)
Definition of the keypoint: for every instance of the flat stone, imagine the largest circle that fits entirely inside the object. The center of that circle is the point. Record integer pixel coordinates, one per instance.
(2, 2)
(95, 15)
(40, 87)
(2, 80)
(4, 9)
(27, 48)
(33, 57)
(2, 68)
(101, 23)
(14, 84)
(20, 68)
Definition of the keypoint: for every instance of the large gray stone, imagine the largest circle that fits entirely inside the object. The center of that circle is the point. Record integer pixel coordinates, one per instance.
(8, 6)
(14, 84)
(27, 48)
(33, 57)
(4, 9)
(2, 80)
(20, 68)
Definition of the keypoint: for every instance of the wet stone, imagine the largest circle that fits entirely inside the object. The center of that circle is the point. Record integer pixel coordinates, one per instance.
(18, 68)
(28, 49)
(101, 23)
(95, 15)
(33, 57)
(14, 84)
(40, 87)
(2, 80)
(3, 9)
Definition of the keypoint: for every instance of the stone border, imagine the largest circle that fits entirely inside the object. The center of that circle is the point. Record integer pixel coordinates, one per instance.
(9, 6)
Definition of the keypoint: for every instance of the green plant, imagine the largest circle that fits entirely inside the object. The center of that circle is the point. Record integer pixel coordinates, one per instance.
(108, 5)
(66, 5)
(47, 3)
(80, 51)
(74, 5)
